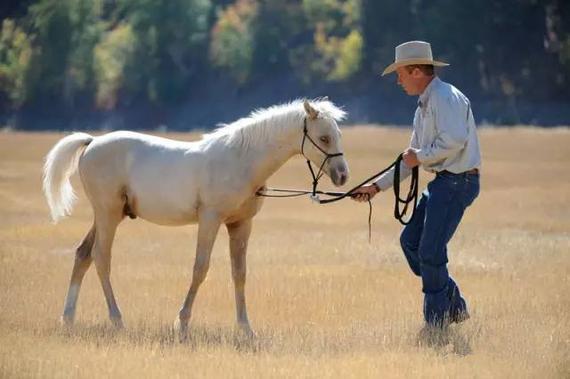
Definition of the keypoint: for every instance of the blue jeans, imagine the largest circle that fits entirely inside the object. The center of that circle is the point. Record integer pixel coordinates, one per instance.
(424, 242)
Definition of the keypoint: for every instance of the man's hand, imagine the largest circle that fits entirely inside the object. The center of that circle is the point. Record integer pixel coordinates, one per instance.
(410, 158)
(365, 193)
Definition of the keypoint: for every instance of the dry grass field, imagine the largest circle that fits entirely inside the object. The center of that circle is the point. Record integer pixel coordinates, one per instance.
(323, 301)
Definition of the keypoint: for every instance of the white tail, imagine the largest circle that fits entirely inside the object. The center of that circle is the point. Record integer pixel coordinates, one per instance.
(61, 163)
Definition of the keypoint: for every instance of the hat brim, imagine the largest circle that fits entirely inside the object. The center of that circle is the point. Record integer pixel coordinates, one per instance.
(407, 62)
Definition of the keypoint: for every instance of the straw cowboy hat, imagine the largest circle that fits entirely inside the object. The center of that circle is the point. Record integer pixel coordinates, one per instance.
(413, 52)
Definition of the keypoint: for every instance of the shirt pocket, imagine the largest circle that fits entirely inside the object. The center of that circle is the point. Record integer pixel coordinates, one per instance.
(428, 129)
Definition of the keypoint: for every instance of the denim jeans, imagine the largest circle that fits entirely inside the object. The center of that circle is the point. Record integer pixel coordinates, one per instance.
(424, 242)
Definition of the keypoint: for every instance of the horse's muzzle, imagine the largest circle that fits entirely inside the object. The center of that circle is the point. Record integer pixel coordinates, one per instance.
(339, 174)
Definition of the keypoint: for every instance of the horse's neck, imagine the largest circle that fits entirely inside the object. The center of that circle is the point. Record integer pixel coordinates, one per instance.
(266, 159)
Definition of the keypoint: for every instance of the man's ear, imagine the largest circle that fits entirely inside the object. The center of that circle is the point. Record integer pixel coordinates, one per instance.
(311, 112)
(417, 73)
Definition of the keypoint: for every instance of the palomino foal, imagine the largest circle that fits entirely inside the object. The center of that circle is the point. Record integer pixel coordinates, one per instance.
(210, 182)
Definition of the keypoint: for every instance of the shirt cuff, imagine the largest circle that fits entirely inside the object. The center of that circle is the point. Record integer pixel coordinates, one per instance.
(383, 184)
(422, 155)
(378, 189)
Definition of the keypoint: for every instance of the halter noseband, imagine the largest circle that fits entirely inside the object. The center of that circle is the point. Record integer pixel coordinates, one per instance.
(328, 156)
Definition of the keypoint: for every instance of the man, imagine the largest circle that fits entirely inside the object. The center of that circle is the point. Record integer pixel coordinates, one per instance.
(444, 141)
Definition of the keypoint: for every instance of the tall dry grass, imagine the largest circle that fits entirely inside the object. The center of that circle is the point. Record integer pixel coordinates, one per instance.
(324, 302)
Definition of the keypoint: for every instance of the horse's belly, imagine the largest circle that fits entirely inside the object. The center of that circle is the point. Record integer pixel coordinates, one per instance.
(163, 208)
(163, 215)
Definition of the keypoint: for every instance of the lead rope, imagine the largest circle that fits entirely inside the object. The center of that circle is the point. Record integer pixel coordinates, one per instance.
(336, 196)
(412, 194)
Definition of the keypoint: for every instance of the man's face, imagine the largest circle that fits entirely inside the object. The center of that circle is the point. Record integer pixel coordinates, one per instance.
(411, 82)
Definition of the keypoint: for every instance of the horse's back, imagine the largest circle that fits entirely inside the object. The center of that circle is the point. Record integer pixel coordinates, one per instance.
(127, 139)
(123, 153)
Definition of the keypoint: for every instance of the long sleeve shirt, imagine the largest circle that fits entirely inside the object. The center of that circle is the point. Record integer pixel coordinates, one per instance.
(444, 134)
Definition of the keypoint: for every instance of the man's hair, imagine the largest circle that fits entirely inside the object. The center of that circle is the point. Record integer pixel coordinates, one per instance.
(427, 69)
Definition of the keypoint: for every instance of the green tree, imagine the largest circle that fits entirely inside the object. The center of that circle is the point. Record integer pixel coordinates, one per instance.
(65, 34)
(279, 27)
(171, 42)
(15, 52)
(385, 24)
(346, 53)
(231, 45)
(335, 53)
(113, 55)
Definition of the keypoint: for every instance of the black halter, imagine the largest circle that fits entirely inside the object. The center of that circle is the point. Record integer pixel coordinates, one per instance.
(327, 157)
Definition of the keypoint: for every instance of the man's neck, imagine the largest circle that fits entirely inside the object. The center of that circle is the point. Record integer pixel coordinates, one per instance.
(426, 83)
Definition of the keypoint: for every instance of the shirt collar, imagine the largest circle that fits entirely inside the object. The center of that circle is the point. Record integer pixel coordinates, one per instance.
(424, 97)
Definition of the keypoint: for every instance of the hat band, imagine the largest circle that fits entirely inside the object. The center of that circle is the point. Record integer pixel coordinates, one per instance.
(411, 61)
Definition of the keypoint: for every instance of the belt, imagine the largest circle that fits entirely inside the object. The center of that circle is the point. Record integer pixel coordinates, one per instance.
(473, 171)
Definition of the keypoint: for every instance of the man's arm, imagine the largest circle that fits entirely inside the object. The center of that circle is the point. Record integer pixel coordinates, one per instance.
(387, 180)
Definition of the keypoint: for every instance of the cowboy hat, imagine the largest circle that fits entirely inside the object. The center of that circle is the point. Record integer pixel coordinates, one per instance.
(413, 52)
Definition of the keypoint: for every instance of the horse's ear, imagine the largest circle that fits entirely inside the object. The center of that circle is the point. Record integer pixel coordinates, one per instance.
(311, 112)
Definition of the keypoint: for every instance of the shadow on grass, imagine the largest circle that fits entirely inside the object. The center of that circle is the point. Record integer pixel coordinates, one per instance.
(453, 340)
(163, 336)
(456, 340)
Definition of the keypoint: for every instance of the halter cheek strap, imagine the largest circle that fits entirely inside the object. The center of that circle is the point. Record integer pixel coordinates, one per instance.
(328, 156)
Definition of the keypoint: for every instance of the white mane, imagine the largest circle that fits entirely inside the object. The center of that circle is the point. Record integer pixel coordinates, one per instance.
(263, 123)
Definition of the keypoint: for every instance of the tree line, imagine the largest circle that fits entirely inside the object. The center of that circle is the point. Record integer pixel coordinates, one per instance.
(67, 56)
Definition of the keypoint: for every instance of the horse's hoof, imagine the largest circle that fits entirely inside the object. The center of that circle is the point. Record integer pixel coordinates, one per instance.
(66, 322)
(247, 332)
(117, 324)
(245, 339)
(181, 329)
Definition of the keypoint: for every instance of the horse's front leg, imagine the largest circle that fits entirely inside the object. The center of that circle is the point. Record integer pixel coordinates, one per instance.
(208, 227)
(239, 235)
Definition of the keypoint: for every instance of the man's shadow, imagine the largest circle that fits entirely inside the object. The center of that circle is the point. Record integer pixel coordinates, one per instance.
(450, 340)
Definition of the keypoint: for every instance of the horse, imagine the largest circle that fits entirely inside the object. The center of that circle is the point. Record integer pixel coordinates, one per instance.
(212, 181)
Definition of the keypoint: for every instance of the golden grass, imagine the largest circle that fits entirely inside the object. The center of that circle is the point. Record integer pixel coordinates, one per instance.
(323, 301)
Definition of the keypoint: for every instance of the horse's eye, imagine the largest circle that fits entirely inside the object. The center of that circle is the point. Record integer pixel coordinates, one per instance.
(325, 139)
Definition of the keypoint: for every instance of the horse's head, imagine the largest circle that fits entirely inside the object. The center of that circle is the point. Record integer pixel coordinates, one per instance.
(322, 139)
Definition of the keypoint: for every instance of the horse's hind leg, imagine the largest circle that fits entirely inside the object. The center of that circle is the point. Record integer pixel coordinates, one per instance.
(83, 260)
(106, 223)
(208, 227)
(239, 235)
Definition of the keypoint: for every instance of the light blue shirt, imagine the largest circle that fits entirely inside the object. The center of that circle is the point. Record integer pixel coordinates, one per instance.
(444, 133)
